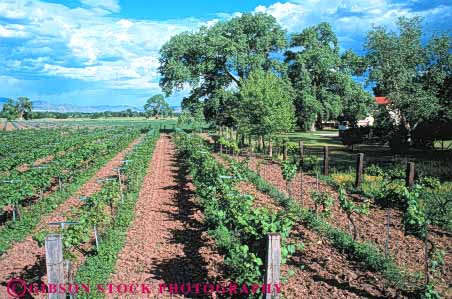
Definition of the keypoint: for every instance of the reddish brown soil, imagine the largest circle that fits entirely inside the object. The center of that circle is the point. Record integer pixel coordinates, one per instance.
(406, 250)
(310, 274)
(26, 259)
(25, 167)
(9, 127)
(166, 243)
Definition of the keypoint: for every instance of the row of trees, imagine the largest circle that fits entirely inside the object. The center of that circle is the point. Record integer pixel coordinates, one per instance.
(156, 106)
(246, 73)
(249, 74)
(12, 114)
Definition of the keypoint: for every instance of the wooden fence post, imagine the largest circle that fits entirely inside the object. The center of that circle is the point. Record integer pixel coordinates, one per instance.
(410, 171)
(55, 263)
(359, 170)
(301, 186)
(301, 146)
(325, 160)
(272, 266)
(270, 148)
(285, 149)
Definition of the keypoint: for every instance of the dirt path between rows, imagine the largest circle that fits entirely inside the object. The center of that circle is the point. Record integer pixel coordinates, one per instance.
(319, 270)
(26, 259)
(166, 242)
(407, 250)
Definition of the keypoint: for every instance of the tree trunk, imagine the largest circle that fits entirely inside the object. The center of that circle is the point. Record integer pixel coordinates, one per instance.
(312, 128)
(260, 143)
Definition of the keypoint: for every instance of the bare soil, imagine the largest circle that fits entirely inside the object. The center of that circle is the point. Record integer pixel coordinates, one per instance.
(26, 259)
(408, 251)
(319, 270)
(167, 242)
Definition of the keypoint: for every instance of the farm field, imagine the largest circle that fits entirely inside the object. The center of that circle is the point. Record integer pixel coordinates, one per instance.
(179, 212)
(85, 122)
(226, 149)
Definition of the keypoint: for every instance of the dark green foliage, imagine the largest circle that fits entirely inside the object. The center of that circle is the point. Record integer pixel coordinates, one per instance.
(367, 253)
(239, 229)
(98, 268)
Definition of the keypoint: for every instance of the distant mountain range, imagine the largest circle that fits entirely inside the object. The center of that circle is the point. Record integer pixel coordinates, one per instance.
(41, 106)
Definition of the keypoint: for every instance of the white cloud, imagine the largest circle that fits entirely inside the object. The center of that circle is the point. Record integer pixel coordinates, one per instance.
(350, 18)
(87, 43)
(12, 31)
(90, 43)
(111, 5)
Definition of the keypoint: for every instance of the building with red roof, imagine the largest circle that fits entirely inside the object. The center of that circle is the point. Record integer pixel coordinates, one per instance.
(382, 100)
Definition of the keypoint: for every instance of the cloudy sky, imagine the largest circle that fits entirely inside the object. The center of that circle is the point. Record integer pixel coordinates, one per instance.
(89, 52)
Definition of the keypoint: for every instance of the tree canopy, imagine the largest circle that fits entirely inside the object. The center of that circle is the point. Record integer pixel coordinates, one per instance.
(17, 109)
(415, 76)
(323, 79)
(266, 102)
(222, 56)
(226, 68)
(156, 106)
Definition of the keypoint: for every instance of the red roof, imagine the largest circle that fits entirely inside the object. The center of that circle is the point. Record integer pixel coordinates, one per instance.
(382, 100)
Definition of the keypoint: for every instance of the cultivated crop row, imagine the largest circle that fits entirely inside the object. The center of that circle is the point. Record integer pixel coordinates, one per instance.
(422, 207)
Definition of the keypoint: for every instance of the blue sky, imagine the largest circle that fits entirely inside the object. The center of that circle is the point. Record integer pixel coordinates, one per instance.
(89, 52)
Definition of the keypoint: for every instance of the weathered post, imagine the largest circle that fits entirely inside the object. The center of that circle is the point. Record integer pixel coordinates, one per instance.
(55, 264)
(301, 186)
(60, 183)
(120, 185)
(270, 148)
(272, 266)
(285, 151)
(410, 172)
(301, 146)
(96, 237)
(359, 170)
(325, 160)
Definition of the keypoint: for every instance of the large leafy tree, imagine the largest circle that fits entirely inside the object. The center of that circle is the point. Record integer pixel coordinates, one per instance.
(438, 74)
(223, 106)
(266, 104)
(24, 107)
(17, 109)
(415, 76)
(156, 106)
(10, 111)
(220, 57)
(323, 79)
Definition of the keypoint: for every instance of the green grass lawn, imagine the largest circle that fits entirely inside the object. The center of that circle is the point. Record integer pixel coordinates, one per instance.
(428, 162)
